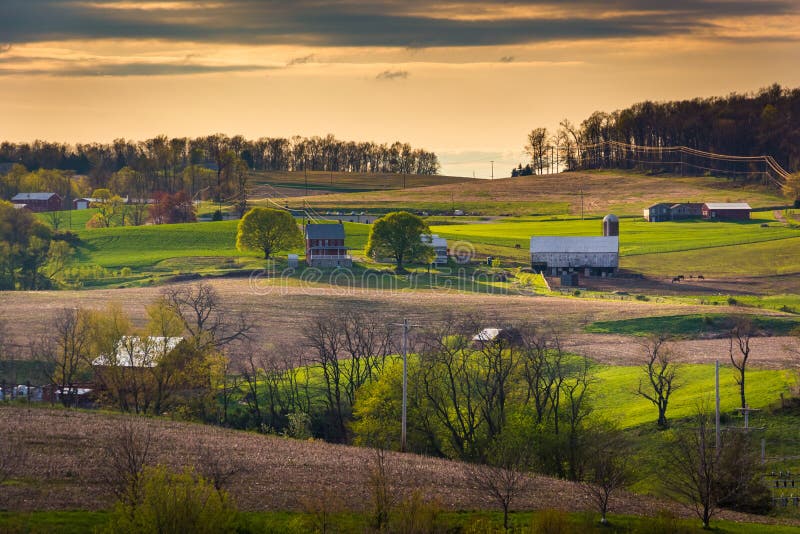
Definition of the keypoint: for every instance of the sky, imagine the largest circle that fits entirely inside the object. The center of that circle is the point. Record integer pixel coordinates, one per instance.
(467, 79)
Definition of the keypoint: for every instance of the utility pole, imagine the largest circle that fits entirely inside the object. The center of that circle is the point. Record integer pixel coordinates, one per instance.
(403, 419)
(581, 203)
(492, 162)
(716, 420)
(305, 172)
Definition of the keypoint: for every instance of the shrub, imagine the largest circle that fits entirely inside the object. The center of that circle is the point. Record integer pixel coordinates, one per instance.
(125, 272)
(415, 515)
(174, 502)
(551, 522)
(732, 301)
(643, 298)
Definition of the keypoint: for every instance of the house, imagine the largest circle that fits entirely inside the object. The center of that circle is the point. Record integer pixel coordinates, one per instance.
(595, 256)
(138, 352)
(439, 246)
(658, 212)
(686, 210)
(325, 246)
(727, 211)
(39, 202)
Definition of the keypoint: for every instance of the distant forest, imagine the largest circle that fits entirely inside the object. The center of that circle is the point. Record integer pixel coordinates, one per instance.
(162, 160)
(766, 122)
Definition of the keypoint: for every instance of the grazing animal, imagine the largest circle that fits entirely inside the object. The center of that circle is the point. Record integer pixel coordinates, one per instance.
(676, 279)
(700, 277)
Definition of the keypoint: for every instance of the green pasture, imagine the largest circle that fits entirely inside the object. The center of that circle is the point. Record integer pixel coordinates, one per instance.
(82, 521)
(691, 326)
(615, 398)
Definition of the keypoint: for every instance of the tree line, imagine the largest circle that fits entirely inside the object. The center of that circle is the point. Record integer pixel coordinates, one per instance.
(752, 124)
(162, 160)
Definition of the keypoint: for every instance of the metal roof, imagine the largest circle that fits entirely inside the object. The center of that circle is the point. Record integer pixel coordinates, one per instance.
(32, 196)
(487, 334)
(325, 231)
(575, 244)
(134, 351)
(728, 206)
(434, 240)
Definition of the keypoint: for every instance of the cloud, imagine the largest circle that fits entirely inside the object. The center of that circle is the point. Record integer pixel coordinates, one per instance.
(70, 69)
(391, 23)
(389, 75)
(300, 60)
(4, 47)
(506, 59)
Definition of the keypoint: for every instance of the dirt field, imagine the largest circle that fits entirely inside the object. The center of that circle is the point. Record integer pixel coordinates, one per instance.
(65, 464)
(280, 314)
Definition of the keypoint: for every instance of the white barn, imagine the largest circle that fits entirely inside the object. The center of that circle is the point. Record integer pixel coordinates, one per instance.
(590, 256)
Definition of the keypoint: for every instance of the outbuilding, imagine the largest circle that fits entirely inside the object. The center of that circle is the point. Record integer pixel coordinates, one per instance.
(727, 211)
(39, 202)
(594, 256)
(439, 246)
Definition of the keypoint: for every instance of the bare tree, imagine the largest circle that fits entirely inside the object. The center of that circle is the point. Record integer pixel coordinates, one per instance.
(127, 453)
(216, 466)
(661, 374)
(742, 331)
(383, 489)
(609, 469)
(504, 474)
(64, 352)
(204, 317)
(702, 475)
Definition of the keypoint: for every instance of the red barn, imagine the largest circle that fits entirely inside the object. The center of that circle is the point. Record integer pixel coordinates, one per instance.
(39, 202)
(727, 211)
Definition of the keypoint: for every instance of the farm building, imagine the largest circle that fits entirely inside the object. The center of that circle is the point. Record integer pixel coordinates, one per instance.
(657, 212)
(439, 246)
(39, 202)
(594, 256)
(686, 210)
(727, 211)
(22, 207)
(325, 246)
(83, 203)
(138, 352)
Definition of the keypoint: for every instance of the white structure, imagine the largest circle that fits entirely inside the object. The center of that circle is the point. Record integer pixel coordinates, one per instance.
(591, 256)
(135, 351)
(439, 245)
(293, 261)
(487, 335)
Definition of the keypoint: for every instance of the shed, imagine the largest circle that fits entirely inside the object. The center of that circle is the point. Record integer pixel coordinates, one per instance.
(593, 255)
(727, 211)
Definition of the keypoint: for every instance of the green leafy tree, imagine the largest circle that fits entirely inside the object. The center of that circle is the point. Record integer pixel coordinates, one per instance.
(175, 502)
(269, 230)
(109, 208)
(397, 235)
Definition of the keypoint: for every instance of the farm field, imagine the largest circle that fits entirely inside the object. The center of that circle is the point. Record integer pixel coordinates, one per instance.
(329, 182)
(284, 310)
(620, 192)
(62, 473)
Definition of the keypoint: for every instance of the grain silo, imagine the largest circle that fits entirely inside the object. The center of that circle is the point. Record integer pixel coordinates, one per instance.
(610, 225)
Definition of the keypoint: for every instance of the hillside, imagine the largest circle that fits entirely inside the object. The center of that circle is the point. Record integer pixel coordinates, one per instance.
(621, 192)
(63, 471)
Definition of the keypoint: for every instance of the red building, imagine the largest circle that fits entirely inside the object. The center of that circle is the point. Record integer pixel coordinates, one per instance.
(39, 202)
(727, 211)
(325, 246)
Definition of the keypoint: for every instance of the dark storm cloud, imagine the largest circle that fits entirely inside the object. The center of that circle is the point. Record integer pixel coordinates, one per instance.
(389, 75)
(351, 23)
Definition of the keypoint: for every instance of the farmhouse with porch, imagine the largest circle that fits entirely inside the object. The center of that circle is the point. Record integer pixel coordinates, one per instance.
(325, 246)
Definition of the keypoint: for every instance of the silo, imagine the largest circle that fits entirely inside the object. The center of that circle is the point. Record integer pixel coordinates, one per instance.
(610, 225)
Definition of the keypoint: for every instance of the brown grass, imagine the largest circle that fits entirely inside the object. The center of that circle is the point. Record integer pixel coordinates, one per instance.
(63, 469)
(280, 315)
(618, 191)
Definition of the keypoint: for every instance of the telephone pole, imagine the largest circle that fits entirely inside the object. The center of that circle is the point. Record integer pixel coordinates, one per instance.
(403, 418)
(492, 162)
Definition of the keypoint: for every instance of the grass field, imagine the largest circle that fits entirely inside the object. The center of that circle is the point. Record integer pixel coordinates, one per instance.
(692, 326)
(347, 181)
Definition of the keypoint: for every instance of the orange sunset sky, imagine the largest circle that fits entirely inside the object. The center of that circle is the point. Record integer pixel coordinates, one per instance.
(467, 79)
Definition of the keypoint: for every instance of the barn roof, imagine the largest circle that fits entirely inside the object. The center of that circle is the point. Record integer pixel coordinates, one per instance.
(134, 351)
(434, 240)
(325, 231)
(21, 197)
(728, 206)
(575, 244)
(487, 334)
